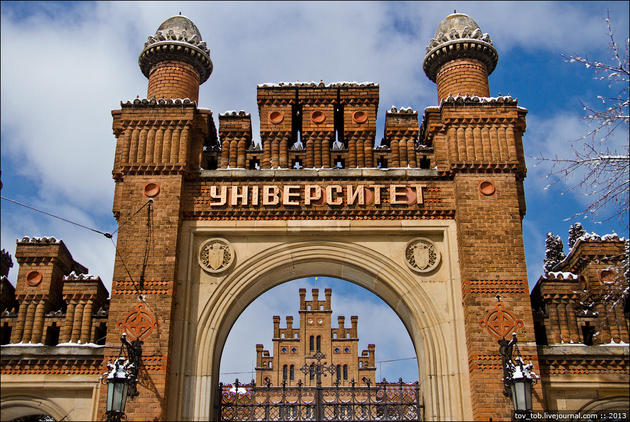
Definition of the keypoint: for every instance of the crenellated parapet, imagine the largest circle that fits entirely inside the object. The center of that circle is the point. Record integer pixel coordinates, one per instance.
(235, 132)
(581, 301)
(55, 300)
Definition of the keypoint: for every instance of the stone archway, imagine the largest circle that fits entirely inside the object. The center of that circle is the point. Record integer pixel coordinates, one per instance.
(441, 359)
(19, 406)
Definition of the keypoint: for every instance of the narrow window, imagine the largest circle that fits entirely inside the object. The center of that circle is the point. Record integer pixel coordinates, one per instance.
(100, 333)
(284, 372)
(6, 333)
(212, 163)
(52, 335)
(338, 122)
(345, 372)
(312, 372)
(254, 164)
(338, 372)
(319, 343)
(292, 372)
(588, 331)
(311, 343)
(297, 164)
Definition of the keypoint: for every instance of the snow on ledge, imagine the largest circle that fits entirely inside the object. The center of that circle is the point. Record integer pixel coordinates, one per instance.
(467, 99)
(36, 239)
(612, 343)
(23, 345)
(562, 275)
(70, 344)
(401, 110)
(233, 113)
(73, 276)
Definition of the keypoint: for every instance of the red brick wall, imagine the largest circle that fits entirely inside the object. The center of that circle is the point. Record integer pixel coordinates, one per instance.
(173, 79)
(464, 77)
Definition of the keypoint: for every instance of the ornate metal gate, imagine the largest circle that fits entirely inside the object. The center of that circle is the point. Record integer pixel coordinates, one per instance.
(382, 401)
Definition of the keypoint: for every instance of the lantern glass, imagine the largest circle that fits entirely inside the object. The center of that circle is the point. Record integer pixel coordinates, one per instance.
(522, 394)
(117, 394)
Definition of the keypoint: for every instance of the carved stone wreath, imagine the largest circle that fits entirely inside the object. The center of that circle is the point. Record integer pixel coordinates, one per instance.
(216, 255)
(422, 256)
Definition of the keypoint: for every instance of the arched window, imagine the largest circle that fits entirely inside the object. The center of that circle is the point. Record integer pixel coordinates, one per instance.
(345, 372)
(284, 372)
(312, 372)
(338, 372)
(311, 343)
(292, 372)
(319, 343)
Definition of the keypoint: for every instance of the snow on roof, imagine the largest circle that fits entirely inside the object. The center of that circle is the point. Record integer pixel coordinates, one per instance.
(36, 239)
(320, 84)
(562, 275)
(466, 99)
(232, 113)
(161, 101)
(402, 110)
(593, 237)
(73, 276)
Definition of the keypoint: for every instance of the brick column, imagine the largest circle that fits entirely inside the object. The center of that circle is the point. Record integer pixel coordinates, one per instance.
(86, 322)
(16, 337)
(66, 330)
(28, 322)
(76, 324)
(38, 322)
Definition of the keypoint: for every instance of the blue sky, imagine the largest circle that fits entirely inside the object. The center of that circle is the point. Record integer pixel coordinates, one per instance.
(65, 66)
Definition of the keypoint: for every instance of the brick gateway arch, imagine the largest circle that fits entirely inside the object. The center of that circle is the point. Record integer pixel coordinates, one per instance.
(443, 375)
(429, 220)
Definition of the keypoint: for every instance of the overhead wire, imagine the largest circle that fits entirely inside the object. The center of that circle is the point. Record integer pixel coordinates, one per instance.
(106, 234)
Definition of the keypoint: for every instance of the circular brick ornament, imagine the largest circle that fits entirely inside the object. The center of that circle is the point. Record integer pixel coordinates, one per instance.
(318, 116)
(359, 117)
(216, 255)
(486, 188)
(422, 256)
(33, 278)
(276, 117)
(500, 322)
(139, 322)
(152, 189)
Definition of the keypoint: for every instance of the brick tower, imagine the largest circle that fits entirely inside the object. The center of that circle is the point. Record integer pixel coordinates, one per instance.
(478, 141)
(159, 142)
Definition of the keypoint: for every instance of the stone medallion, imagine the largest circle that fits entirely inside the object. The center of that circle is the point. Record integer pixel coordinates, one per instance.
(216, 255)
(422, 255)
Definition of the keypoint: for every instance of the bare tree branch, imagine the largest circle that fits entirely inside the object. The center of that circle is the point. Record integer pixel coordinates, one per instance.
(601, 167)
